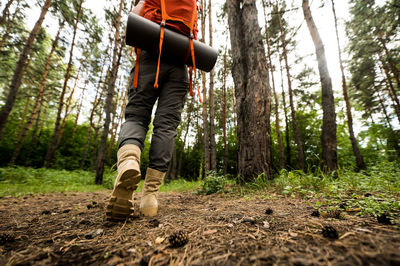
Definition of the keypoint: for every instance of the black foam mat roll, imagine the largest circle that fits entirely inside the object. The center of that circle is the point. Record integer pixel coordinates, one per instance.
(145, 34)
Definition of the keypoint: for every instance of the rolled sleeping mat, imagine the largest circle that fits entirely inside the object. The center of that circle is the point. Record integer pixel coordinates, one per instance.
(145, 35)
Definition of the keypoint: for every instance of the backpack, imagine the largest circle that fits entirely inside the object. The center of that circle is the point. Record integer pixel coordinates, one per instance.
(179, 15)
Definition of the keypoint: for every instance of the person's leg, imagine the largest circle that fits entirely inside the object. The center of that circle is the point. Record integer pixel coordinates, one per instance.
(168, 115)
(133, 133)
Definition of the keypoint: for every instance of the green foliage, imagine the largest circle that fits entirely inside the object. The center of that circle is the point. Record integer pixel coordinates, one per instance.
(374, 192)
(19, 181)
(214, 183)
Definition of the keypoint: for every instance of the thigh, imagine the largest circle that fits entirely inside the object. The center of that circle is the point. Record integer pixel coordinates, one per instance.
(172, 98)
(142, 98)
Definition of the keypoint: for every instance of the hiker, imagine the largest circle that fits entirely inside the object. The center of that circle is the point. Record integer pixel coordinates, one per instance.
(151, 79)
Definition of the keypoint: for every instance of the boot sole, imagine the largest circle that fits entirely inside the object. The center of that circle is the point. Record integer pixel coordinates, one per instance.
(149, 212)
(120, 205)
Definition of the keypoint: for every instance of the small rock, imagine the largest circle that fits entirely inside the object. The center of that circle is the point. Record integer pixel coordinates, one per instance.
(84, 221)
(250, 220)
(94, 234)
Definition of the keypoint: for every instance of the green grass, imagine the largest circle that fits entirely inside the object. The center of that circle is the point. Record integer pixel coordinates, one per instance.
(19, 181)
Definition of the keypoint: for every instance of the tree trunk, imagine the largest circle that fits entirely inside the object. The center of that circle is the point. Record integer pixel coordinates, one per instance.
(96, 101)
(277, 123)
(68, 106)
(9, 25)
(206, 137)
(224, 133)
(19, 70)
(28, 101)
(359, 158)
(299, 144)
(110, 94)
(384, 111)
(114, 126)
(54, 138)
(390, 88)
(252, 91)
(329, 141)
(213, 145)
(392, 64)
(79, 108)
(189, 119)
(5, 12)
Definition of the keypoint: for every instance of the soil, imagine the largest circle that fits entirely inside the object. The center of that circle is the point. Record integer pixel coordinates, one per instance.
(70, 229)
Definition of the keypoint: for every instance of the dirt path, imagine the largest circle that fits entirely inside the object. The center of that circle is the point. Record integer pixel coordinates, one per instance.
(70, 229)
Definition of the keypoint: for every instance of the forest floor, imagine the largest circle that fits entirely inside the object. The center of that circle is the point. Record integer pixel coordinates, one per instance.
(70, 228)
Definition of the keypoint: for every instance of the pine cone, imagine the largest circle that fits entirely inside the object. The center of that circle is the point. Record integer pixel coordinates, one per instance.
(6, 237)
(330, 232)
(337, 214)
(178, 239)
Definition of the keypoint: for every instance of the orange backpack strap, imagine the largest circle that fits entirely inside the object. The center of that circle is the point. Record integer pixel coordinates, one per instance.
(191, 51)
(137, 63)
(164, 18)
(136, 76)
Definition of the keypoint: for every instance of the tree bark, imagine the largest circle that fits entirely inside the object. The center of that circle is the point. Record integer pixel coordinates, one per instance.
(9, 25)
(213, 145)
(224, 133)
(277, 122)
(79, 108)
(54, 138)
(390, 88)
(110, 94)
(28, 101)
(68, 106)
(206, 137)
(97, 98)
(5, 12)
(189, 119)
(329, 140)
(359, 158)
(19, 70)
(252, 91)
(297, 138)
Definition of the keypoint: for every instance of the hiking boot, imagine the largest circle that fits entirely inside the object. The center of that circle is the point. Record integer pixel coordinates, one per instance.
(120, 205)
(149, 203)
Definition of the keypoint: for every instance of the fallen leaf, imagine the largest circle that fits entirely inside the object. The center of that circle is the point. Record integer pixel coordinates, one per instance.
(364, 230)
(347, 234)
(132, 250)
(353, 210)
(293, 234)
(209, 232)
(266, 224)
(159, 240)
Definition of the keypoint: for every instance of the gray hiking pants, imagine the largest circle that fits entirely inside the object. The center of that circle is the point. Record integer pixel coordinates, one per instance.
(171, 95)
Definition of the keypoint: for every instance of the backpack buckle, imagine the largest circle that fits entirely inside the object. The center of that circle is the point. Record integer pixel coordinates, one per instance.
(162, 24)
(191, 35)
